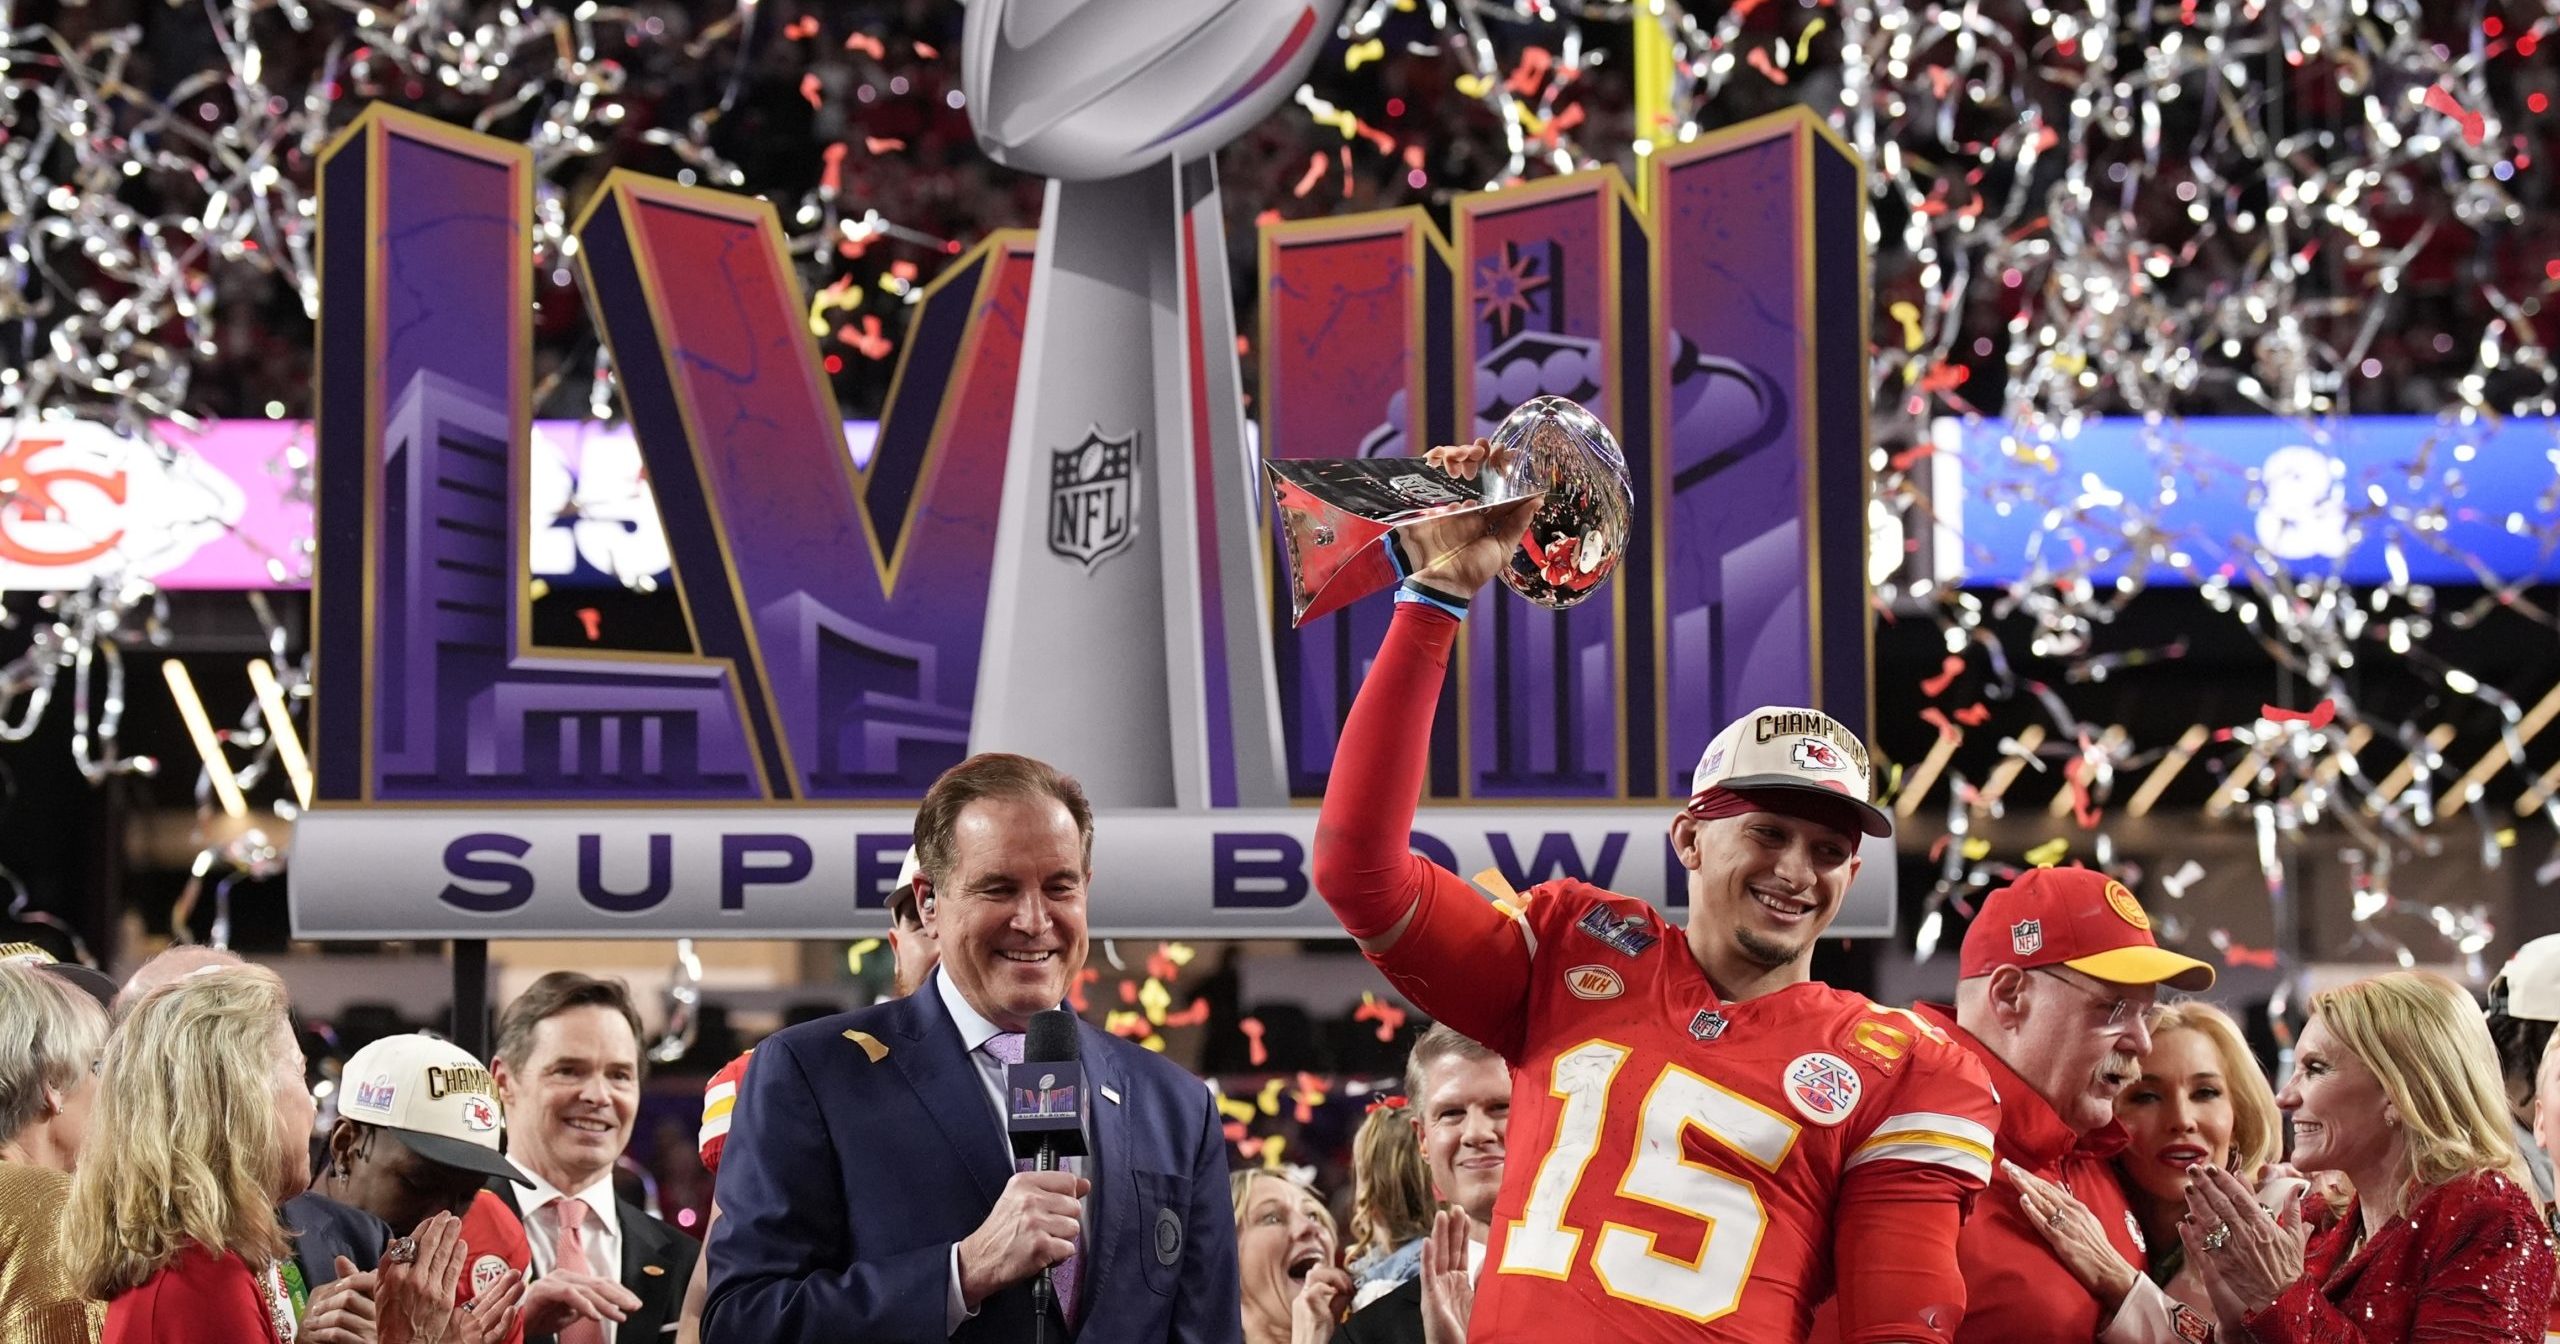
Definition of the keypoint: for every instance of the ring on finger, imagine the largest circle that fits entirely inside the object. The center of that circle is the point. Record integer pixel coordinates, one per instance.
(2218, 1238)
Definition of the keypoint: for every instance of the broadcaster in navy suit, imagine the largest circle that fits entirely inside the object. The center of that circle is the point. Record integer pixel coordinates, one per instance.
(867, 1191)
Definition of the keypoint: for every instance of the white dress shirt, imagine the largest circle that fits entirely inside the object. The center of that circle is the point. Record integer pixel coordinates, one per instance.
(601, 1234)
(976, 1031)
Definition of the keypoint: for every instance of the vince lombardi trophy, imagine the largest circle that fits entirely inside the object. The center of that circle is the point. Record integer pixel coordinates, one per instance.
(1128, 630)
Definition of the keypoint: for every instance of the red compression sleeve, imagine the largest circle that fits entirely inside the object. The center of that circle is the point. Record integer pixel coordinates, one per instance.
(1365, 867)
(1895, 1255)
(1459, 959)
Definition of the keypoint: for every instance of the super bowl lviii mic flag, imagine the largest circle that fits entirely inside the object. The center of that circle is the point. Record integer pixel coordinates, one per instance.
(1355, 525)
(1127, 635)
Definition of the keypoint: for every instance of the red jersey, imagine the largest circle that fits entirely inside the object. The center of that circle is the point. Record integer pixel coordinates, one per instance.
(494, 1242)
(1677, 1163)
(2020, 1289)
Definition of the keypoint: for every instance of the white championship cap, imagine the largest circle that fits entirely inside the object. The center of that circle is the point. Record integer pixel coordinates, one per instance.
(2532, 980)
(434, 1097)
(1775, 747)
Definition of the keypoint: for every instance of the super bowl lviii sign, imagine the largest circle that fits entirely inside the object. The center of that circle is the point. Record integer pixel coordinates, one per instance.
(1057, 545)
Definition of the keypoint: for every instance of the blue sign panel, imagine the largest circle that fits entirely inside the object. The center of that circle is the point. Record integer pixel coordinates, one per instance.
(2378, 499)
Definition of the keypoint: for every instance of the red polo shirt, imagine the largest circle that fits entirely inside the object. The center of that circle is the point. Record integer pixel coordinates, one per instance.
(2016, 1290)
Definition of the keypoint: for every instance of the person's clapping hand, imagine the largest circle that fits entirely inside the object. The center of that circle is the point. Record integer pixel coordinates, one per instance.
(491, 1315)
(2246, 1258)
(341, 1311)
(419, 1278)
(2075, 1235)
(560, 1299)
(1448, 1290)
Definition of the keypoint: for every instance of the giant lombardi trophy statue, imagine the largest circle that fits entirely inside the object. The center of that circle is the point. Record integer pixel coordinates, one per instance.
(1128, 631)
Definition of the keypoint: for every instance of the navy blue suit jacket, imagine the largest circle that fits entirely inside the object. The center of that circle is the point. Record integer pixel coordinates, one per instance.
(847, 1179)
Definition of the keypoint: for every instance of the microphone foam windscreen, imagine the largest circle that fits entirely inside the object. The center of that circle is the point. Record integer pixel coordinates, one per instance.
(1052, 1038)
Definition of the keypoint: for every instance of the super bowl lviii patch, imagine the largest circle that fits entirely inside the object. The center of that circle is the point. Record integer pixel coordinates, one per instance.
(1627, 934)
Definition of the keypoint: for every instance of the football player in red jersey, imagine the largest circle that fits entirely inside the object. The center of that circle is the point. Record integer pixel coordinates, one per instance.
(1704, 1142)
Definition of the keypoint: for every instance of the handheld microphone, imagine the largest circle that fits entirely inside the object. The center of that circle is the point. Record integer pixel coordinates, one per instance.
(1044, 1117)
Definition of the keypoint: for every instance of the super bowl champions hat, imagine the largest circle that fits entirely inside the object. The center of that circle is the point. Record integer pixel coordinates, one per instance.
(434, 1097)
(1775, 747)
(2530, 982)
(2078, 918)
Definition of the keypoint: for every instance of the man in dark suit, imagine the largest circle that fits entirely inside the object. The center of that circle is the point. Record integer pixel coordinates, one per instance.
(1460, 1100)
(867, 1191)
(568, 1069)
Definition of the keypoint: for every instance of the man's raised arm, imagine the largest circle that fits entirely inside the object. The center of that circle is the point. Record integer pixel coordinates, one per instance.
(1440, 942)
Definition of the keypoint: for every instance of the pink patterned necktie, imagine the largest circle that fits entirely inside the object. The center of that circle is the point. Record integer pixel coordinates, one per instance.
(570, 1215)
(1006, 1046)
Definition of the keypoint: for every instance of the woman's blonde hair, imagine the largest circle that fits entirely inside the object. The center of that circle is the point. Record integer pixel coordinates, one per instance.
(2422, 1036)
(1390, 1184)
(188, 1098)
(1240, 1190)
(50, 1035)
(2256, 1136)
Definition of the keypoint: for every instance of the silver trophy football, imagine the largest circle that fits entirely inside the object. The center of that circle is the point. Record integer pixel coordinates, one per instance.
(1355, 525)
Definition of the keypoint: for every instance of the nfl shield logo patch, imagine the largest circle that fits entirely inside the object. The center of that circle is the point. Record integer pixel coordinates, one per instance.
(1093, 497)
(2027, 937)
(1707, 1025)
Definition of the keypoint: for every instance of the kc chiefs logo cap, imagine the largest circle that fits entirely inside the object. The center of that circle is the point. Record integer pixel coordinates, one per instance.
(434, 1097)
(1775, 747)
(2074, 917)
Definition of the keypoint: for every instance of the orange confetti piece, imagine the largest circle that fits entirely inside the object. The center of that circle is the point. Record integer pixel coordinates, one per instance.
(1192, 1016)
(1235, 1132)
(2474, 126)
(1936, 716)
(1760, 61)
(2318, 716)
(804, 27)
(1315, 173)
(1948, 670)
(868, 45)
(1974, 716)
(2237, 955)
(813, 91)
(868, 341)
(1254, 1053)
(927, 51)
(881, 144)
(904, 270)
(1128, 991)
(1532, 70)
(832, 180)
(1388, 1016)
(593, 620)
(1075, 991)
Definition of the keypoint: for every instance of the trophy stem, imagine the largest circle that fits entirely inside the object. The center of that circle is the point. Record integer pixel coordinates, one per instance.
(1124, 636)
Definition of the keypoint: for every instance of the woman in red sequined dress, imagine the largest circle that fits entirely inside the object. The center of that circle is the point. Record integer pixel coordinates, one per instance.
(2396, 1086)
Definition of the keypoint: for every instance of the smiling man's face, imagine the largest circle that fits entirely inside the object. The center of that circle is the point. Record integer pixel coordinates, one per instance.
(569, 1110)
(1009, 915)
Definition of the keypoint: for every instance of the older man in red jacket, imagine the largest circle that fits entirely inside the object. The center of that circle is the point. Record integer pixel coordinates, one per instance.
(2059, 979)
